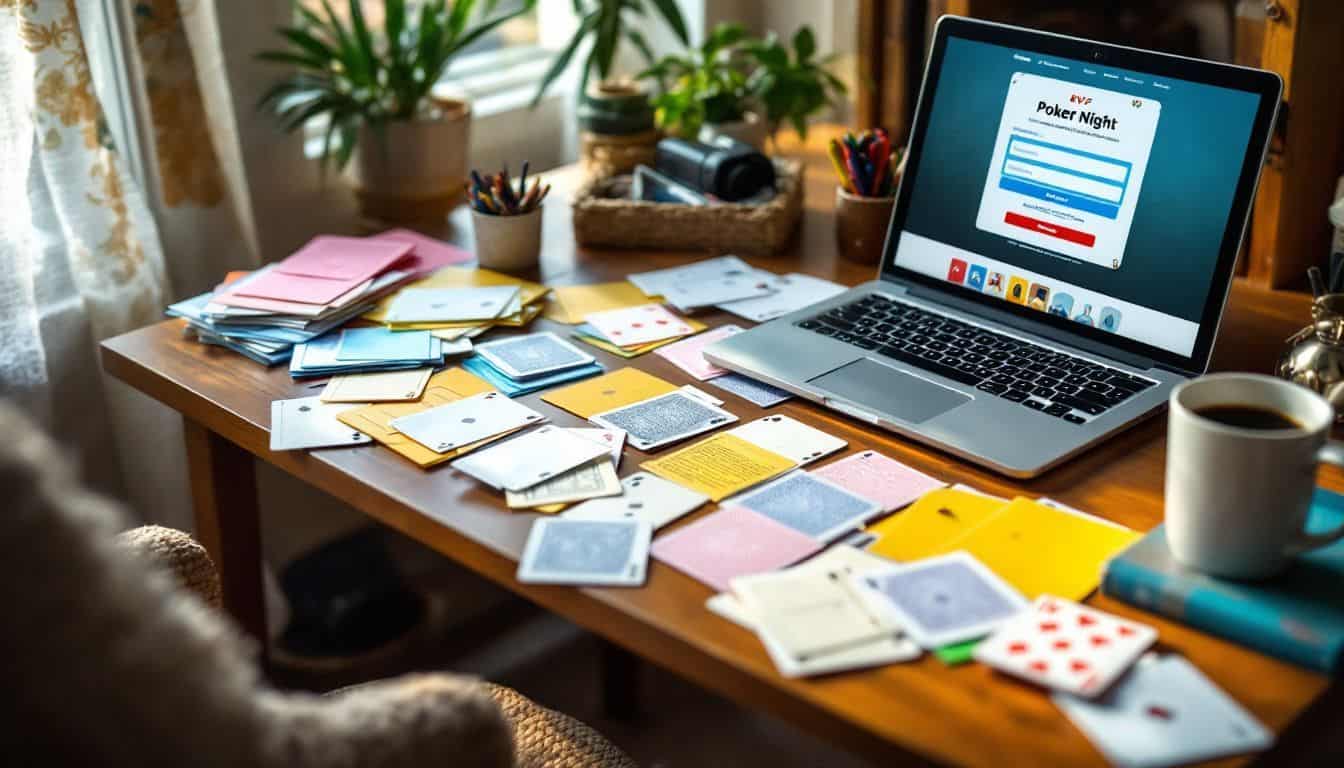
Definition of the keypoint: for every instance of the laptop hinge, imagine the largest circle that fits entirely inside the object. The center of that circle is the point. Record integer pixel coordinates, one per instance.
(1036, 329)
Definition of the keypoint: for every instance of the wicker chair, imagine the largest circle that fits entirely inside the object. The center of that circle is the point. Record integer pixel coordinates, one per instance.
(112, 658)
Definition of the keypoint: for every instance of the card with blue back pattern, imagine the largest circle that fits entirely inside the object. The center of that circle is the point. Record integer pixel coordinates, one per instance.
(812, 506)
(586, 552)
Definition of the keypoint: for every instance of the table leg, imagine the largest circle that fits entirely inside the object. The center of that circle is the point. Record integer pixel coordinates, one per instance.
(619, 670)
(228, 523)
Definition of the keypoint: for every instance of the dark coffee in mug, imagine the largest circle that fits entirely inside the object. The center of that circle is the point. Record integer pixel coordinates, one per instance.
(1248, 417)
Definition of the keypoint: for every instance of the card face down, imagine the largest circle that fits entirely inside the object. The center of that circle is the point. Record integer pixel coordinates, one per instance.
(790, 437)
(664, 419)
(533, 457)
(755, 392)
(612, 553)
(536, 354)
(943, 600)
(644, 497)
(1165, 712)
(307, 422)
(877, 477)
(731, 542)
(1066, 646)
(688, 354)
(809, 505)
(466, 421)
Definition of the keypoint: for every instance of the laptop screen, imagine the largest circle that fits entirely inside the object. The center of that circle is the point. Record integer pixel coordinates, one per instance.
(1096, 194)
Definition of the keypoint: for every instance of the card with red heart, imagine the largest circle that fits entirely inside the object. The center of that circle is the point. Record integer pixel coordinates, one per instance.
(1066, 646)
(638, 325)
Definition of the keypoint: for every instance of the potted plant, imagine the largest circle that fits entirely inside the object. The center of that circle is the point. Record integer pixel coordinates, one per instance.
(704, 94)
(791, 86)
(373, 87)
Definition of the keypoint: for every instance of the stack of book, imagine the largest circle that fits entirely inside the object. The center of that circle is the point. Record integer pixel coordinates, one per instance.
(323, 285)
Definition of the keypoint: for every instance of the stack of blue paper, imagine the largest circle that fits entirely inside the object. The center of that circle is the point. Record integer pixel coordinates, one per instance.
(523, 364)
(361, 350)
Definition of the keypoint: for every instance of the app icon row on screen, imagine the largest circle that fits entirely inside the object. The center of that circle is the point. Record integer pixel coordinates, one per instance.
(1038, 296)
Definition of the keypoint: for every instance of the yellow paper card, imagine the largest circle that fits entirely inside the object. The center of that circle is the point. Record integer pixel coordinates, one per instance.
(719, 466)
(1044, 550)
(463, 277)
(613, 390)
(443, 388)
(571, 303)
(928, 526)
(516, 320)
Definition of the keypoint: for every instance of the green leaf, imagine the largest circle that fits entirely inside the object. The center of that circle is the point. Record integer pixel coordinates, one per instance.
(804, 43)
(457, 18)
(561, 62)
(608, 33)
(486, 29)
(350, 60)
(294, 59)
(364, 40)
(309, 44)
(672, 15)
(724, 35)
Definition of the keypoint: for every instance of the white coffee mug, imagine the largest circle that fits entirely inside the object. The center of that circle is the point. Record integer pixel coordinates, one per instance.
(1237, 498)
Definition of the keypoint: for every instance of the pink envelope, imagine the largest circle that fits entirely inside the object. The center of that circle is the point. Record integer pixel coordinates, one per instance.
(307, 290)
(880, 478)
(427, 254)
(688, 355)
(732, 542)
(344, 258)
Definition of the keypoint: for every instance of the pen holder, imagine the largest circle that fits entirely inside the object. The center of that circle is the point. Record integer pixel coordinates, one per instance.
(507, 243)
(861, 225)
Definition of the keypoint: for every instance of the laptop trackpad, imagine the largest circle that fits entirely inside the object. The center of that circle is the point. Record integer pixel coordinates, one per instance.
(889, 391)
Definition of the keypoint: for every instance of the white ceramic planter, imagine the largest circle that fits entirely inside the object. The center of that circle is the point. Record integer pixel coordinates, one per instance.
(416, 169)
(507, 243)
(750, 130)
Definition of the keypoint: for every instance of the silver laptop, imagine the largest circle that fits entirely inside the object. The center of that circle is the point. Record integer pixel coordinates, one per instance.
(1059, 255)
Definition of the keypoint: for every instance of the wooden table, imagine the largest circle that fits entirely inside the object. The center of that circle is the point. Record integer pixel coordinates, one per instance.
(967, 715)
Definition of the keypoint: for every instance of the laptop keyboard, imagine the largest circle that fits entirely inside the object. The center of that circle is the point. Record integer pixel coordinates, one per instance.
(1054, 383)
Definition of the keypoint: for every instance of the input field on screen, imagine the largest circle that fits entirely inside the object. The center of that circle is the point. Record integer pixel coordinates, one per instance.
(1064, 181)
(1090, 165)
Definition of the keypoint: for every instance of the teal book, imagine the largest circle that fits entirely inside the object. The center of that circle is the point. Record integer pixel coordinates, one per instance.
(1297, 616)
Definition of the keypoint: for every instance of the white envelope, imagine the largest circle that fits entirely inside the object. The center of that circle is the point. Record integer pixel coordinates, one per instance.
(466, 421)
(792, 292)
(383, 387)
(530, 458)
(690, 294)
(307, 422)
(435, 305)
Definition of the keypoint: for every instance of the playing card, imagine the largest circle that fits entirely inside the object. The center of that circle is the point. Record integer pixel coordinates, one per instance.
(729, 543)
(1165, 712)
(613, 439)
(694, 293)
(756, 392)
(586, 481)
(604, 393)
(382, 344)
(811, 506)
(610, 553)
(645, 497)
(701, 395)
(515, 387)
(570, 303)
(687, 353)
(789, 437)
(792, 292)
(466, 421)
(1066, 646)
(530, 458)
(428, 305)
(385, 387)
(655, 282)
(536, 354)
(942, 600)
(307, 422)
(810, 612)
(376, 419)
(633, 326)
(664, 419)
(877, 477)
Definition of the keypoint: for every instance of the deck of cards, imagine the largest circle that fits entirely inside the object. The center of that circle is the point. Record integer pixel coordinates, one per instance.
(522, 364)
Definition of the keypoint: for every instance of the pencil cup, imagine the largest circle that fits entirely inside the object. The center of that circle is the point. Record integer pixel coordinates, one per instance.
(861, 225)
(508, 243)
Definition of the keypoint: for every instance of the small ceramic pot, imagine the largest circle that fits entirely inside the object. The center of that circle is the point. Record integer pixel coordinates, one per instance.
(507, 243)
(749, 130)
(861, 225)
(413, 172)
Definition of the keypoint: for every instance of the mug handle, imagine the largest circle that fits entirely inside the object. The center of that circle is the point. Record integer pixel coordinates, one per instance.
(1330, 453)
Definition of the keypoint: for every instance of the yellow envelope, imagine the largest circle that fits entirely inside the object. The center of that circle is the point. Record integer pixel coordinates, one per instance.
(443, 388)
(463, 277)
(927, 527)
(518, 319)
(571, 303)
(720, 466)
(612, 390)
(639, 349)
(1043, 550)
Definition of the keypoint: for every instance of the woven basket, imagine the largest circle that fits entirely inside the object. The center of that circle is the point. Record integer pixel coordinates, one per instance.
(603, 220)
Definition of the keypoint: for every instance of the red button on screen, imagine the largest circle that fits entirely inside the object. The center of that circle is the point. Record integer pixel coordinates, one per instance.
(1046, 228)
